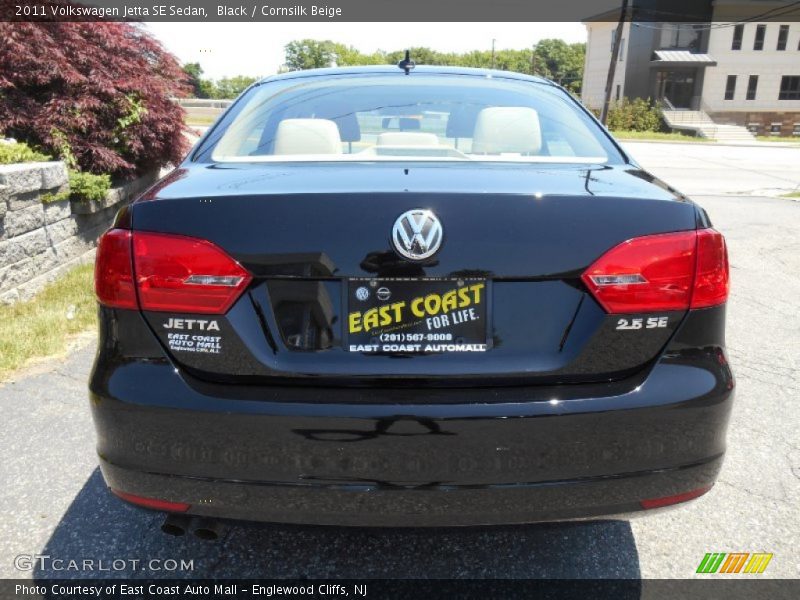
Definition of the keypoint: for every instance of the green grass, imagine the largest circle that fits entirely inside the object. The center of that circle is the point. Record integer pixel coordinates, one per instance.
(200, 120)
(795, 194)
(41, 326)
(658, 136)
(777, 138)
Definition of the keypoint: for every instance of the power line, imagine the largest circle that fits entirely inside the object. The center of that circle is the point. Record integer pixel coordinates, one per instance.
(784, 10)
(656, 11)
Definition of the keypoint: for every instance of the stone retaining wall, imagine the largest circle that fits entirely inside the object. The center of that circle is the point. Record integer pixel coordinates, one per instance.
(40, 240)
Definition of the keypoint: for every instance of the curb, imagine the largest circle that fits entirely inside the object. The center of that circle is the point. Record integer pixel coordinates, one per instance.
(728, 144)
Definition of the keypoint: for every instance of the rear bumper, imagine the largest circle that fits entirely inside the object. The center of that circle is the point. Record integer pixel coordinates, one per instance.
(403, 457)
(368, 505)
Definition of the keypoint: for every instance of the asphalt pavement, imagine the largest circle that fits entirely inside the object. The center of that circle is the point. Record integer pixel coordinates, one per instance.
(55, 503)
(756, 169)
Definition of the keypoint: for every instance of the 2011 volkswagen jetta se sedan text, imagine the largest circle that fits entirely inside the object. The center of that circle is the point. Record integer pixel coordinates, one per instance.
(382, 296)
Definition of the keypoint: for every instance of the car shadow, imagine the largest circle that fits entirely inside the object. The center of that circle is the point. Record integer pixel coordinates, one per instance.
(100, 527)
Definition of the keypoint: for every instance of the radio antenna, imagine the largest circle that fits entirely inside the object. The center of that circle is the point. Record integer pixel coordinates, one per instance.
(407, 64)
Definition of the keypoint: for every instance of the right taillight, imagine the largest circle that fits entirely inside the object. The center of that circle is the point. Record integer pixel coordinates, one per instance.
(664, 272)
(172, 273)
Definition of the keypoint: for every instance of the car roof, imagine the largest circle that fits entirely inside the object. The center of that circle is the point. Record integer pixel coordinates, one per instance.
(395, 70)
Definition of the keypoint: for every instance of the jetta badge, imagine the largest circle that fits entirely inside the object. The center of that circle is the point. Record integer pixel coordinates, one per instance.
(417, 234)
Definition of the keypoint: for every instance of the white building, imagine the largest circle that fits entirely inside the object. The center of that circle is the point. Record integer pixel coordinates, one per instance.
(720, 70)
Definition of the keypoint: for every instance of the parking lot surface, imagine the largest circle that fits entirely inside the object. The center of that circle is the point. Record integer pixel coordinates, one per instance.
(55, 503)
(711, 169)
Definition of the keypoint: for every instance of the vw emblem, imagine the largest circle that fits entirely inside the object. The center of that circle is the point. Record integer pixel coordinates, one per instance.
(417, 234)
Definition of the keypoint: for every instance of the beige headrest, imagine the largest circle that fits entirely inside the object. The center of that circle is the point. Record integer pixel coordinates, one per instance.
(507, 129)
(307, 136)
(407, 138)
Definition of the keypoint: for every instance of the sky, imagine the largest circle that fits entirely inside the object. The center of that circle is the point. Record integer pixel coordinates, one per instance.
(256, 49)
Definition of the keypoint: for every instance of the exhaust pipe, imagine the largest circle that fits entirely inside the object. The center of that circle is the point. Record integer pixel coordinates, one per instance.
(207, 529)
(176, 525)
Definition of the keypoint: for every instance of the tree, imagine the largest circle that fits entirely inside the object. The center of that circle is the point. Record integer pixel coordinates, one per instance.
(309, 54)
(225, 88)
(552, 58)
(200, 86)
(561, 62)
(423, 56)
(230, 87)
(98, 95)
(350, 56)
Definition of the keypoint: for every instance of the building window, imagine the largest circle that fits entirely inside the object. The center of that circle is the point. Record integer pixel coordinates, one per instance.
(775, 128)
(738, 34)
(783, 37)
(761, 31)
(618, 93)
(680, 35)
(621, 49)
(754, 128)
(752, 86)
(790, 88)
(730, 87)
(796, 130)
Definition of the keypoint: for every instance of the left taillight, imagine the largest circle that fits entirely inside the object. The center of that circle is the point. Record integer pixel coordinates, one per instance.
(170, 273)
(175, 273)
(113, 270)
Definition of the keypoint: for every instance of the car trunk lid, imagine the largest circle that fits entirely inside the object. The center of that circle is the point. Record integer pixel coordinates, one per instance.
(310, 240)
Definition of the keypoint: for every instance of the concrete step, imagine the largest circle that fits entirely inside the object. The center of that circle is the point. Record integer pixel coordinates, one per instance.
(686, 116)
(699, 122)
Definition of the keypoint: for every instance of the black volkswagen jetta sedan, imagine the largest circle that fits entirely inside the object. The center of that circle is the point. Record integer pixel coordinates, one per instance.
(375, 296)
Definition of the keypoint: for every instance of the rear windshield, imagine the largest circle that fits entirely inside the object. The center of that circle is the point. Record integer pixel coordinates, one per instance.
(416, 117)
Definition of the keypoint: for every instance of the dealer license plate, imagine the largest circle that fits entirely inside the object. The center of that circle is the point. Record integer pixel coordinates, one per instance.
(416, 316)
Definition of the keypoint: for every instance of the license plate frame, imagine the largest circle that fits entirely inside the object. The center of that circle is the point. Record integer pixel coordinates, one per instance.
(461, 324)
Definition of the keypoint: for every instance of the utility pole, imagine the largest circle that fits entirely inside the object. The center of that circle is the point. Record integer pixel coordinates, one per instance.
(493, 41)
(612, 68)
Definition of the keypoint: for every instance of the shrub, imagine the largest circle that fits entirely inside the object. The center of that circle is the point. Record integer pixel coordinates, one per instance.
(88, 186)
(97, 95)
(634, 115)
(17, 152)
(82, 186)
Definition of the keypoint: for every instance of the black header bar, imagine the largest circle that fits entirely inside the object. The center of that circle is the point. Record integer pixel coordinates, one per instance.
(685, 11)
(307, 589)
